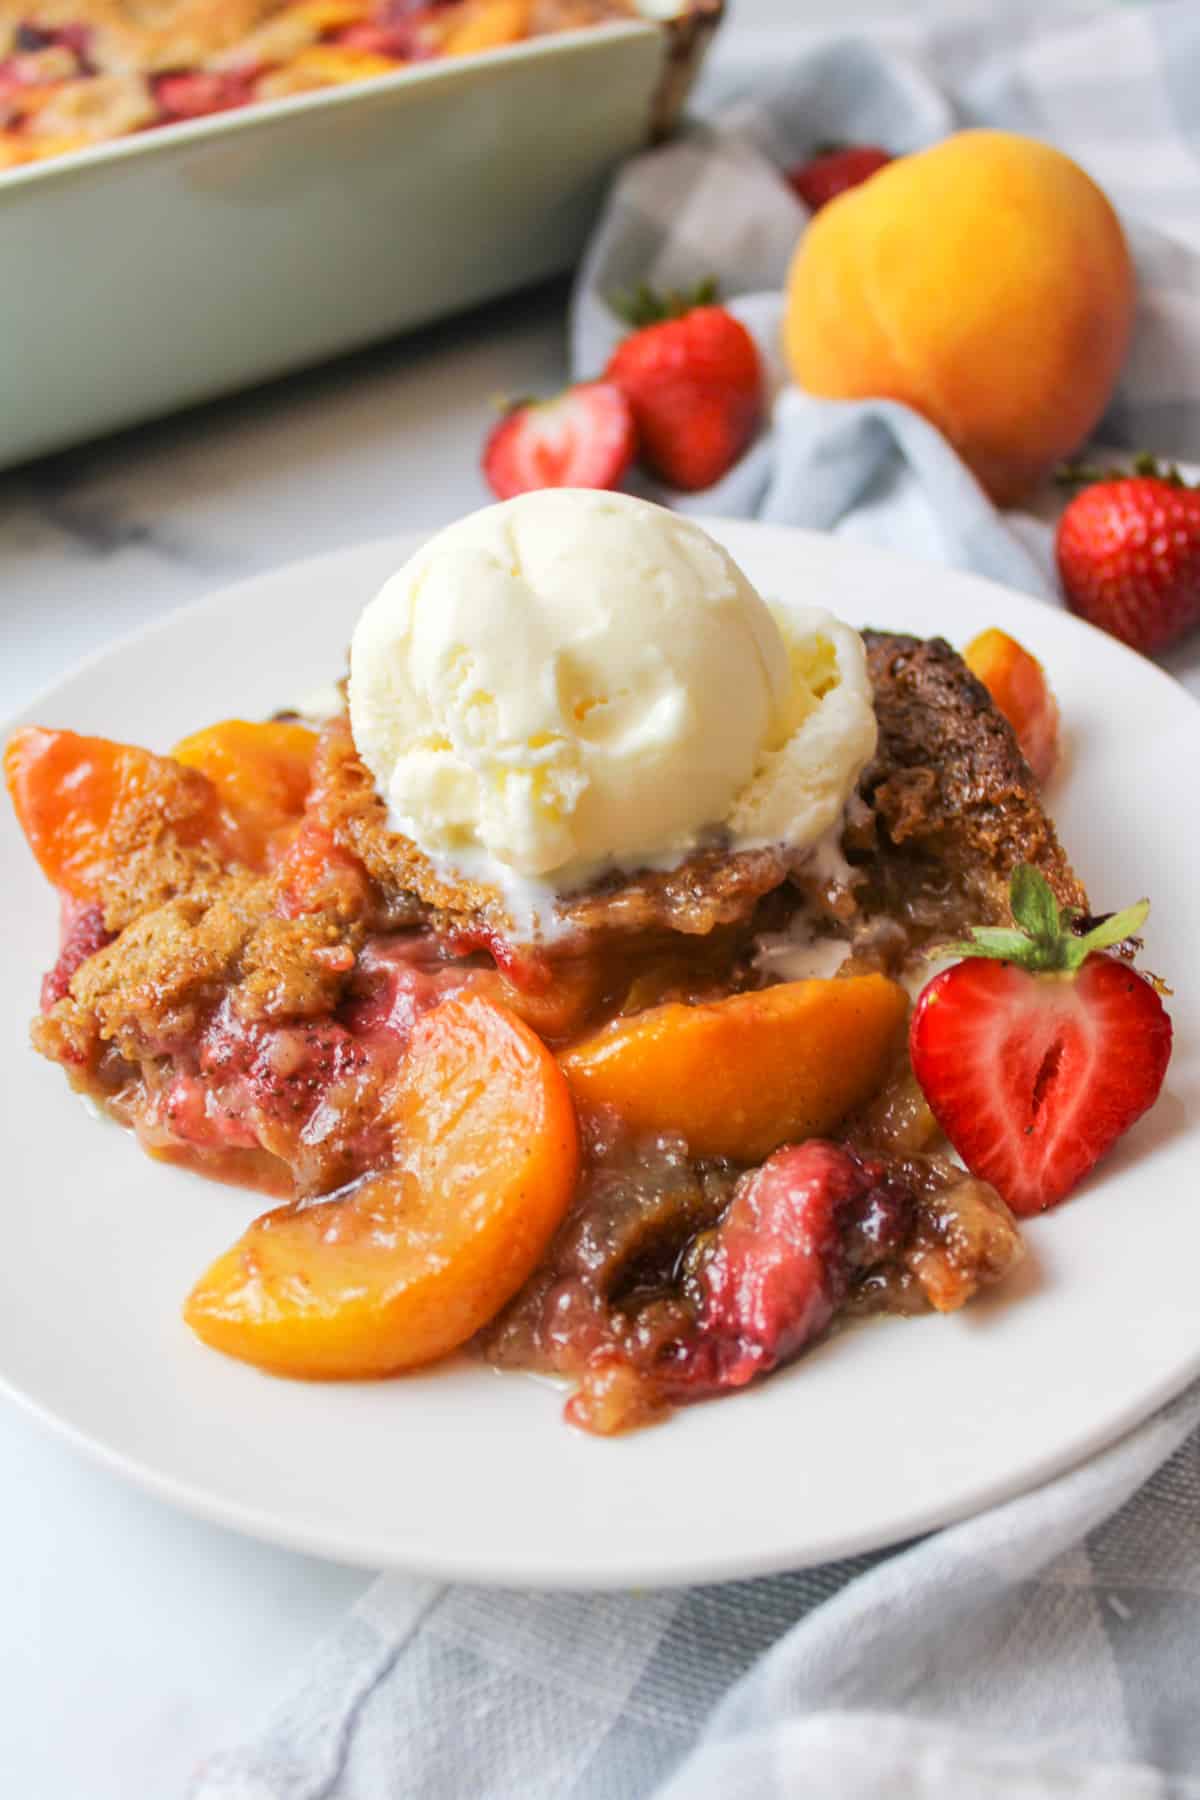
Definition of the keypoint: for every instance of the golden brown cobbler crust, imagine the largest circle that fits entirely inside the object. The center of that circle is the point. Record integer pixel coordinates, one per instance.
(713, 887)
(159, 980)
(950, 806)
(152, 36)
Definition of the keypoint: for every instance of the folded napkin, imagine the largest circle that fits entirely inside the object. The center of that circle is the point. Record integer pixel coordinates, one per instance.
(1049, 1647)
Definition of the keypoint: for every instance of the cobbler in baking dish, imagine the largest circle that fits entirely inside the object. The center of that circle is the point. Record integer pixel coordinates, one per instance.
(645, 1120)
(79, 72)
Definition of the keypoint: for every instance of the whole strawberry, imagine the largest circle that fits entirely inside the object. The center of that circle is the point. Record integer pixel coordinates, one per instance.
(583, 437)
(1128, 551)
(695, 383)
(834, 170)
(1037, 1052)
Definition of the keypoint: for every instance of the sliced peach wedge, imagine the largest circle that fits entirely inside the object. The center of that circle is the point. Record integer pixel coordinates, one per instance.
(1018, 685)
(413, 1261)
(487, 25)
(262, 771)
(84, 802)
(742, 1076)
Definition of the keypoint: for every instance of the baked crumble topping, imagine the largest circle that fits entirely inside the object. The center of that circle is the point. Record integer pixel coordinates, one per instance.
(79, 72)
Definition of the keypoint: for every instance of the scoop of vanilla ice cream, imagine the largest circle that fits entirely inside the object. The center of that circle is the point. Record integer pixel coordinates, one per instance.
(568, 678)
(574, 680)
(824, 740)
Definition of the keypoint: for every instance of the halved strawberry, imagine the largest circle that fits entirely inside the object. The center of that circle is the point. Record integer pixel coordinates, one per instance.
(1036, 1053)
(584, 437)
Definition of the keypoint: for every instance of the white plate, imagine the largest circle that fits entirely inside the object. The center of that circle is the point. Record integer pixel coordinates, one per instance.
(881, 1433)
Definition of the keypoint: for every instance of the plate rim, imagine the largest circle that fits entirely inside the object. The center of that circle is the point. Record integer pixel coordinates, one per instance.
(553, 1577)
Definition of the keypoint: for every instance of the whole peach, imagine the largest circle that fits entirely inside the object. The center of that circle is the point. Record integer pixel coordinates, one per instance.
(986, 283)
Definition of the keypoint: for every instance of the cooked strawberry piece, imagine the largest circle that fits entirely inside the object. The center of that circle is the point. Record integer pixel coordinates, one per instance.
(405, 40)
(581, 438)
(1038, 1052)
(396, 981)
(279, 1062)
(260, 1086)
(251, 1084)
(778, 1267)
(82, 933)
(194, 1113)
(822, 178)
(198, 92)
(695, 386)
(527, 968)
(396, 12)
(75, 37)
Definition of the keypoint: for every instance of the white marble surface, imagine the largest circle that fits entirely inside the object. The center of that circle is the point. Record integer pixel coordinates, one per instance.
(133, 1640)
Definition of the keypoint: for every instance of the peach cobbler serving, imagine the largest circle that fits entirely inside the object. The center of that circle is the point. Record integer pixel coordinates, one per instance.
(559, 981)
(79, 72)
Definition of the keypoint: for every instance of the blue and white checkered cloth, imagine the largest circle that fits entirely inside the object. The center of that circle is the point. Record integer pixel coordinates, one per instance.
(1050, 1649)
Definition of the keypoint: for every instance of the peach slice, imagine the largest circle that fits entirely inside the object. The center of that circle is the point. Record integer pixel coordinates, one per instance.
(487, 25)
(742, 1076)
(557, 1012)
(262, 771)
(1017, 683)
(84, 802)
(413, 1261)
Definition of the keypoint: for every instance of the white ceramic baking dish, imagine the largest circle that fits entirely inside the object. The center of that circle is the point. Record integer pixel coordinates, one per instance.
(161, 269)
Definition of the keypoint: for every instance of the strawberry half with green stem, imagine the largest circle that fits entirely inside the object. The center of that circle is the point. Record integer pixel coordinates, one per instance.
(1128, 549)
(1037, 1052)
(694, 380)
(584, 437)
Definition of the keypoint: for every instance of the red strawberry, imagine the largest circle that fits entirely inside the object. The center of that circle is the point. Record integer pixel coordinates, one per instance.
(198, 92)
(695, 384)
(581, 438)
(81, 933)
(1036, 1053)
(824, 176)
(777, 1267)
(1129, 554)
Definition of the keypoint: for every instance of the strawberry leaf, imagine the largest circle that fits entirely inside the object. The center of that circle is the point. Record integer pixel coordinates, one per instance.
(1033, 905)
(648, 306)
(1081, 475)
(1042, 939)
(996, 941)
(1113, 930)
